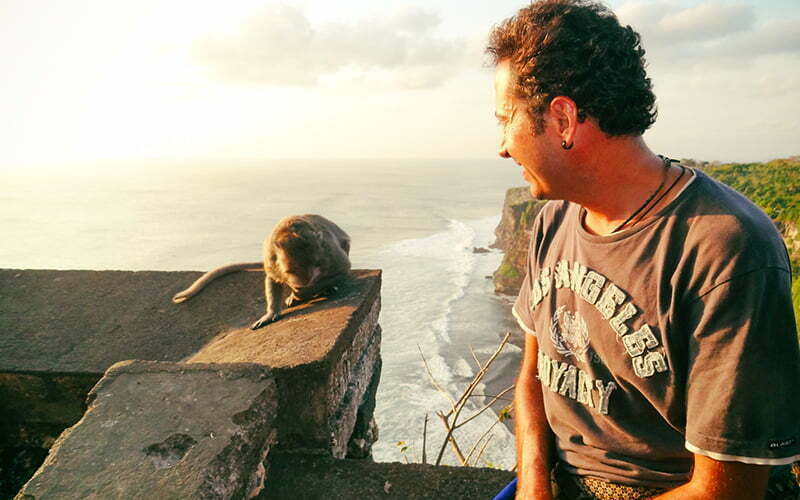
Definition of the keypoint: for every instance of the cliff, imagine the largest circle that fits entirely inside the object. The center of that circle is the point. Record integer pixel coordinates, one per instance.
(513, 237)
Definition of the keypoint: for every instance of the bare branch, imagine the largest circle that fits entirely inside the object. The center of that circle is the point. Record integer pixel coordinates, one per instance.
(491, 396)
(477, 362)
(478, 441)
(433, 380)
(446, 439)
(451, 439)
(483, 448)
(459, 405)
(450, 419)
(486, 406)
(425, 440)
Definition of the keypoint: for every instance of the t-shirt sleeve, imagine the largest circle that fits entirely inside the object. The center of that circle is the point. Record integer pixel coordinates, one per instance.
(521, 309)
(743, 386)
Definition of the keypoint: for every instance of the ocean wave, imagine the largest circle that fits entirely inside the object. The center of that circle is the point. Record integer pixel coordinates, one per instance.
(450, 253)
(428, 281)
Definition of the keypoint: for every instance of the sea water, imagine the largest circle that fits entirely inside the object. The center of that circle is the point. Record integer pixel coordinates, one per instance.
(417, 220)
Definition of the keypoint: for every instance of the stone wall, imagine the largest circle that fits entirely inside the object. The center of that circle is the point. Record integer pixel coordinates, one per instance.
(206, 391)
(111, 391)
(166, 430)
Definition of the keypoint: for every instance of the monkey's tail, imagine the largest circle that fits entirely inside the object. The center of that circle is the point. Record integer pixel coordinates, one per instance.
(210, 276)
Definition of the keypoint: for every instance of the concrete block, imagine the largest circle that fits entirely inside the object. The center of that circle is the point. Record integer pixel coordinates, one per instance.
(356, 397)
(65, 322)
(60, 331)
(323, 363)
(365, 431)
(166, 431)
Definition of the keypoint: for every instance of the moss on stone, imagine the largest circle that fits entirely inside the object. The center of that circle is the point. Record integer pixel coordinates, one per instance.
(508, 271)
(528, 213)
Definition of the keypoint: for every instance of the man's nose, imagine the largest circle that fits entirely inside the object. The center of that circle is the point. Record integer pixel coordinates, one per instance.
(502, 150)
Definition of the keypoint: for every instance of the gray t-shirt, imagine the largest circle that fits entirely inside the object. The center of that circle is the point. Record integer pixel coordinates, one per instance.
(673, 337)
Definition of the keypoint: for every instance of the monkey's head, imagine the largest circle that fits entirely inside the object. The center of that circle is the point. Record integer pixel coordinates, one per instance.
(296, 254)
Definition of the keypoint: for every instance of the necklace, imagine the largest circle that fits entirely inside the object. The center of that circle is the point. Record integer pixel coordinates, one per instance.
(666, 162)
(658, 200)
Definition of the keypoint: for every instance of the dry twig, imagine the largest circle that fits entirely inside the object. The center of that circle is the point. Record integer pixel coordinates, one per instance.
(450, 420)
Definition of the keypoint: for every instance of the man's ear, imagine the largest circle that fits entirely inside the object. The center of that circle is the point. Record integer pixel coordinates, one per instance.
(564, 113)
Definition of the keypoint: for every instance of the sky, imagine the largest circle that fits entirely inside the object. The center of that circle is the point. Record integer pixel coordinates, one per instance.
(94, 80)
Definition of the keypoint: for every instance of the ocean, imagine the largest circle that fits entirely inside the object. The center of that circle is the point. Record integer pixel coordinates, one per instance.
(417, 220)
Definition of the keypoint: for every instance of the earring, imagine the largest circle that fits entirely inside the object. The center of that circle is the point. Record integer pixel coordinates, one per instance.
(564, 145)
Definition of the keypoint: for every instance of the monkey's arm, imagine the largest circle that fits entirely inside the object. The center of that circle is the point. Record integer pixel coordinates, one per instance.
(274, 295)
(211, 276)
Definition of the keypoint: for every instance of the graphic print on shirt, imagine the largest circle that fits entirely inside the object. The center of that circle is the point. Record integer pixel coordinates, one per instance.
(574, 383)
(570, 333)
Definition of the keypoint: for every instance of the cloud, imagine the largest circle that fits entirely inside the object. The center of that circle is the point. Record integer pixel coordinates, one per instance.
(726, 78)
(775, 37)
(710, 33)
(709, 20)
(280, 46)
(666, 21)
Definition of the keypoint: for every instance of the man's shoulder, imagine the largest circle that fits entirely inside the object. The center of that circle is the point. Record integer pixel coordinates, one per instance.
(726, 201)
(722, 207)
(725, 224)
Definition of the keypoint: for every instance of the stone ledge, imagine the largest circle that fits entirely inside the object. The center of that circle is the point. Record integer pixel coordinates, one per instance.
(308, 477)
(321, 362)
(60, 330)
(151, 434)
(85, 321)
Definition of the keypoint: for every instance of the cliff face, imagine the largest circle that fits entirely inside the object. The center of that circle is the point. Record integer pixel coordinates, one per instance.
(791, 236)
(513, 237)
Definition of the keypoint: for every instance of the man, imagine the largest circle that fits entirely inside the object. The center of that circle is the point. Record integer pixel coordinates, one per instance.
(661, 357)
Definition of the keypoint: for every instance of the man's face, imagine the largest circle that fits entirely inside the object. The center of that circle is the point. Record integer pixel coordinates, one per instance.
(517, 139)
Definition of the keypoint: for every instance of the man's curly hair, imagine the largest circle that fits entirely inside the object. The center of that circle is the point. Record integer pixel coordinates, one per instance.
(578, 49)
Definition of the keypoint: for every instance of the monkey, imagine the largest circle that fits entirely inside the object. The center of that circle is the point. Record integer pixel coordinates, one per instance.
(304, 256)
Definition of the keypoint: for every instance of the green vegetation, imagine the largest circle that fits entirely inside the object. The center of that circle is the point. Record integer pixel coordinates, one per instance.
(775, 187)
(508, 271)
(528, 214)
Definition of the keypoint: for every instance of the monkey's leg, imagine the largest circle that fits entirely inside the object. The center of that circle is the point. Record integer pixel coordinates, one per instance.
(274, 295)
(293, 300)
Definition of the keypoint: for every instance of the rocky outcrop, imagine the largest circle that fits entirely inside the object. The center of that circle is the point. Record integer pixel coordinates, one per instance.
(791, 236)
(513, 237)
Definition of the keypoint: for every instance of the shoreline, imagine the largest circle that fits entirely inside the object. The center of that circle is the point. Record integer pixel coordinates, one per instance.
(499, 378)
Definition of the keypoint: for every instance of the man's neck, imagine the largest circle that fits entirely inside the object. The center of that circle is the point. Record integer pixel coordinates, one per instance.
(620, 177)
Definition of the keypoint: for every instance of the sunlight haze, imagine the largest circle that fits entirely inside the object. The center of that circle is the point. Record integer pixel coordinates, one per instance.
(91, 80)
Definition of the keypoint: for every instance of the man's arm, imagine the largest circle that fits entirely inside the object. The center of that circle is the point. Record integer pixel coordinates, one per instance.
(533, 435)
(712, 479)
